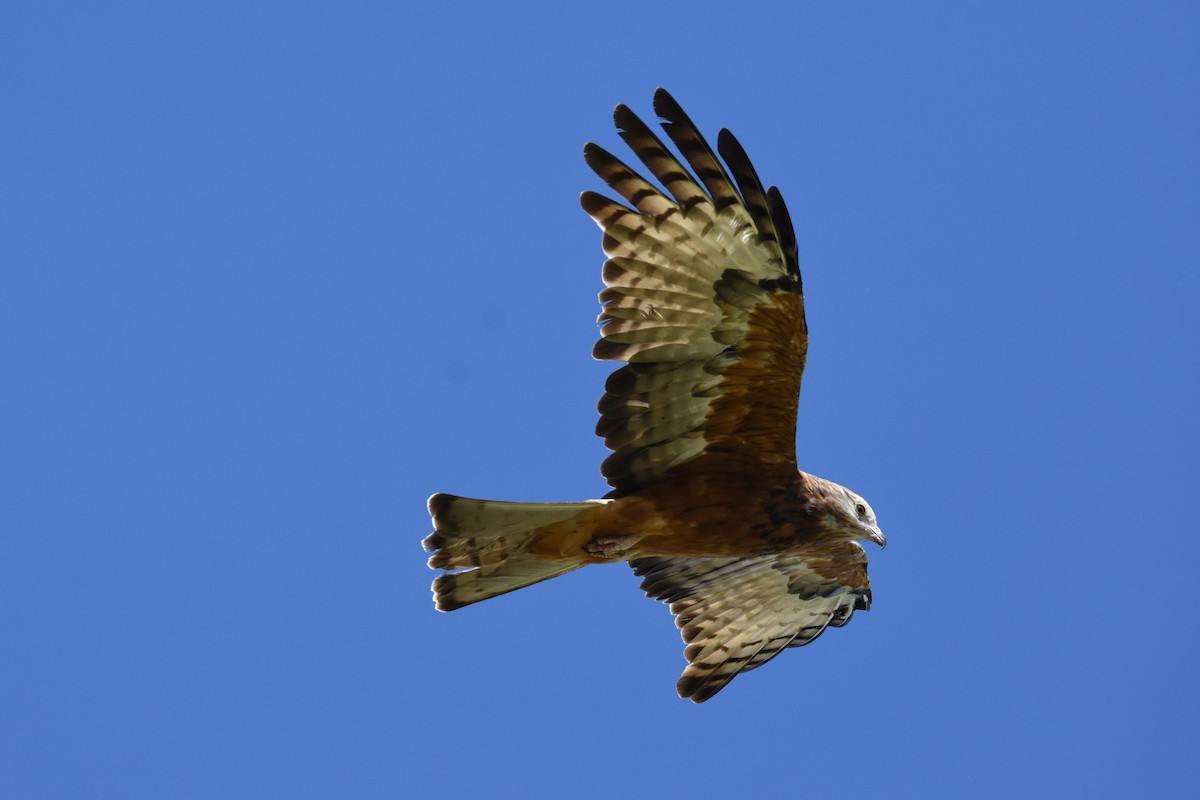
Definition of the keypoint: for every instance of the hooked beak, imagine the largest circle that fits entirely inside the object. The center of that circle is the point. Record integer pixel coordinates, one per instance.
(878, 538)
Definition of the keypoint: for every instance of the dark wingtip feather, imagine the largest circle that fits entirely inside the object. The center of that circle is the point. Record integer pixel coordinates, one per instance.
(696, 151)
(696, 689)
(593, 202)
(748, 183)
(669, 110)
(786, 233)
(604, 350)
(664, 100)
(591, 152)
(624, 118)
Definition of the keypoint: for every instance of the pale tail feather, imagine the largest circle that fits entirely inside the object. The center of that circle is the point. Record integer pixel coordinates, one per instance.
(482, 545)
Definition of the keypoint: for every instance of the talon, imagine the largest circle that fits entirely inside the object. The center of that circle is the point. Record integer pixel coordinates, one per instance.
(608, 546)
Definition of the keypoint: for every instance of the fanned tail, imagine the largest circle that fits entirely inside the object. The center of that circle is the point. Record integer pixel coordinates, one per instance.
(482, 545)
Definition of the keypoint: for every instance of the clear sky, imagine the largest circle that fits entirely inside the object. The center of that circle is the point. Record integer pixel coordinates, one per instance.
(273, 273)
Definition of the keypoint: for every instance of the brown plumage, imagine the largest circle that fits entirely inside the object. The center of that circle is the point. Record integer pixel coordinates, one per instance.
(705, 306)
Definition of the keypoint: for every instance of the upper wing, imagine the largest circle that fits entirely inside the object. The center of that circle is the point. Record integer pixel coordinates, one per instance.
(704, 302)
(737, 614)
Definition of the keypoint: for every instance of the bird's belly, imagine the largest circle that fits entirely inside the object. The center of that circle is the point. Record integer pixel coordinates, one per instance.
(707, 518)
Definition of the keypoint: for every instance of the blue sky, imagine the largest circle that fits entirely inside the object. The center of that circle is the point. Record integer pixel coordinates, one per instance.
(274, 273)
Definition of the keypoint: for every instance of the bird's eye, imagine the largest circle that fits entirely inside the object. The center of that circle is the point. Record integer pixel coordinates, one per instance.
(861, 510)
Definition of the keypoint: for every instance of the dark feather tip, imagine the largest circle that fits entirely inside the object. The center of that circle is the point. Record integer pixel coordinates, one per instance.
(440, 503)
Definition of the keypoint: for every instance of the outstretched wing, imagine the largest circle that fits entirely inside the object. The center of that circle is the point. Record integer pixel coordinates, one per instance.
(703, 302)
(736, 614)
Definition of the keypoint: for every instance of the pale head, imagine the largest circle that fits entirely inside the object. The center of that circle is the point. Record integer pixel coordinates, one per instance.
(848, 512)
(860, 517)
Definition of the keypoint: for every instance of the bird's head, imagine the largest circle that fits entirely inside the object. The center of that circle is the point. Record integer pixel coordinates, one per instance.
(862, 517)
(846, 512)
(856, 517)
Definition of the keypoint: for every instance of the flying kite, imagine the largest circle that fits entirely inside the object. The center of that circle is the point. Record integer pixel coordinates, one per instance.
(705, 307)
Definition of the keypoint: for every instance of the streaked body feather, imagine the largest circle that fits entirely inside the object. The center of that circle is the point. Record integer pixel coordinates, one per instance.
(704, 305)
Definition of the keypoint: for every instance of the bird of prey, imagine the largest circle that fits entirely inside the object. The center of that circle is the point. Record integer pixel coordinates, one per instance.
(704, 305)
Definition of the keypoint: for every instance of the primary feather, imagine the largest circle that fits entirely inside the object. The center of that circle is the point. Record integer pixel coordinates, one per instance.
(704, 304)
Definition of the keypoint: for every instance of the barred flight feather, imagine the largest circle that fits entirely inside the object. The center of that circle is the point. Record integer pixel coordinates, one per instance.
(688, 280)
(703, 302)
(737, 614)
